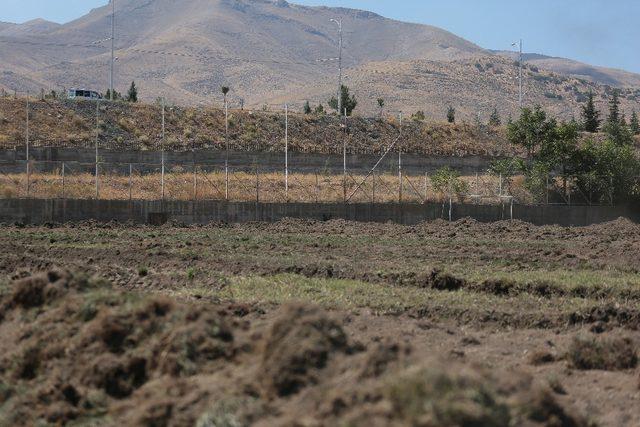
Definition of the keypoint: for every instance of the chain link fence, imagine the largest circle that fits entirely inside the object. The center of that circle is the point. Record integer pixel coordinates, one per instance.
(198, 182)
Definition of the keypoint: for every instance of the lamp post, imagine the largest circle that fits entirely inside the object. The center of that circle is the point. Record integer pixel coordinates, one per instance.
(339, 24)
(113, 31)
(520, 57)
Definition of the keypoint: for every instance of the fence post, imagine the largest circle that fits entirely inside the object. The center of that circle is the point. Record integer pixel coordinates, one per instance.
(450, 204)
(97, 135)
(426, 188)
(400, 163)
(162, 176)
(27, 151)
(373, 187)
(286, 153)
(257, 184)
(64, 194)
(344, 158)
(195, 183)
(511, 209)
(547, 189)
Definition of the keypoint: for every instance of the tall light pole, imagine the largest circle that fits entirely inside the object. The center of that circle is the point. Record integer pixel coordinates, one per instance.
(339, 24)
(113, 35)
(520, 72)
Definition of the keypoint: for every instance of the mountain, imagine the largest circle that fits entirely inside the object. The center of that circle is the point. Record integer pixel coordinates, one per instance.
(603, 75)
(271, 52)
(33, 27)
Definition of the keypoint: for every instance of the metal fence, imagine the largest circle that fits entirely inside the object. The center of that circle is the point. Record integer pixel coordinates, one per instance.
(193, 181)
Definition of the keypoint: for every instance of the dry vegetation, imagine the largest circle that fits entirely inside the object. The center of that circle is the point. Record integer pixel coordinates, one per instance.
(266, 187)
(320, 324)
(127, 126)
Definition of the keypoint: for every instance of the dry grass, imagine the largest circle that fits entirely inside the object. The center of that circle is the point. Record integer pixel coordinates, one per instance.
(608, 354)
(182, 183)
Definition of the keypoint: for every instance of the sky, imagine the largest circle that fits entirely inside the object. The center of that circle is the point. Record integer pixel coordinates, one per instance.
(599, 32)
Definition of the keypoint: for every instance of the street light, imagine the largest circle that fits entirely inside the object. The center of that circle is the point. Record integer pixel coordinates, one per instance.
(113, 30)
(520, 65)
(339, 24)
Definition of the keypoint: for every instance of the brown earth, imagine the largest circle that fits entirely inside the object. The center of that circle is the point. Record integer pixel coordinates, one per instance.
(437, 324)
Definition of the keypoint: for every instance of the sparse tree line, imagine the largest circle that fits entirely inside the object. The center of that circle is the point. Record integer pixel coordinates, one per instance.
(601, 170)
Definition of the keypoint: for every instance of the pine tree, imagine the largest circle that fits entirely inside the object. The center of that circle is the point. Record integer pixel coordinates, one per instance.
(307, 108)
(614, 108)
(349, 102)
(381, 105)
(494, 119)
(635, 123)
(616, 126)
(590, 115)
(132, 94)
(451, 115)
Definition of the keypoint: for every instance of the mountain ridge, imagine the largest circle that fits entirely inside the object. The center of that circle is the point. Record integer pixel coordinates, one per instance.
(268, 52)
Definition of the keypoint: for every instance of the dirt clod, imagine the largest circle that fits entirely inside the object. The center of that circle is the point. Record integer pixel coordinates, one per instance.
(298, 346)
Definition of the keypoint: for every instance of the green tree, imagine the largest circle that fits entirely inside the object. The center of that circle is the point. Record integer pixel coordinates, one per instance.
(349, 102)
(307, 108)
(381, 105)
(418, 116)
(116, 95)
(448, 182)
(635, 123)
(451, 115)
(132, 94)
(614, 108)
(494, 119)
(532, 129)
(590, 115)
(607, 172)
(225, 91)
(616, 126)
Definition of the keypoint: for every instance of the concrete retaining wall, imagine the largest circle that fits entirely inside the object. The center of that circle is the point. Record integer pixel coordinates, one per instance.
(37, 211)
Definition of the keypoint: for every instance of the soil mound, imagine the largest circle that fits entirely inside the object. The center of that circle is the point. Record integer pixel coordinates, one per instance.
(77, 351)
(298, 346)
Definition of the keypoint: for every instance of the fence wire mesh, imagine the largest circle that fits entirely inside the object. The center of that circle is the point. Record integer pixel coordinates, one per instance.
(199, 182)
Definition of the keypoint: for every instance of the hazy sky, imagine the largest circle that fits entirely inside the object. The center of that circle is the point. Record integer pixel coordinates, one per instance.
(600, 32)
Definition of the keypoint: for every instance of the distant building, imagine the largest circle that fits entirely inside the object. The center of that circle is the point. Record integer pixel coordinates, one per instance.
(83, 94)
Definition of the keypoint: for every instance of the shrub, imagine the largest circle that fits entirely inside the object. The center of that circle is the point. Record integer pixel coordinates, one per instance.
(607, 354)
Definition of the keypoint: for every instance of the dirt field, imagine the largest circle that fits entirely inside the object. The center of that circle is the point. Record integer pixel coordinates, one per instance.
(304, 323)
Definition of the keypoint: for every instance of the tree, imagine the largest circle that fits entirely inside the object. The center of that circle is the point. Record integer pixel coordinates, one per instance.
(451, 115)
(319, 109)
(349, 102)
(418, 116)
(381, 105)
(532, 129)
(590, 115)
(448, 182)
(635, 123)
(494, 119)
(614, 108)
(132, 94)
(307, 108)
(116, 95)
(607, 172)
(616, 125)
(225, 91)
